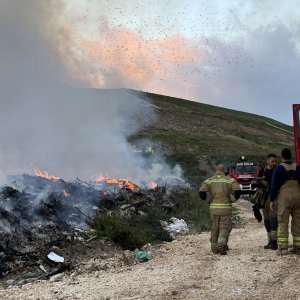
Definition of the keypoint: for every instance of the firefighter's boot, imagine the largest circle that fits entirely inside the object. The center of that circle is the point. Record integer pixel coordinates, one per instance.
(215, 250)
(269, 240)
(273, 245)
(222, 250)
(295, 250)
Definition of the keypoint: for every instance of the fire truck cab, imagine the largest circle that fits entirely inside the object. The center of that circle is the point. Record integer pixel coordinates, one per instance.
(244, 173)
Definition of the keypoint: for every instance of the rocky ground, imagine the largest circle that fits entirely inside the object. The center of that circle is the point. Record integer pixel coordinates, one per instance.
(183, 269)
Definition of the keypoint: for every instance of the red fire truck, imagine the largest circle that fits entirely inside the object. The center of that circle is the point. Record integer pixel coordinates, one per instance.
(296, 115)
(244, 173)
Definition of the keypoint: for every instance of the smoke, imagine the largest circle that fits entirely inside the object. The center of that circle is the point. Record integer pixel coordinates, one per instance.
(69, 132)
(30, 41)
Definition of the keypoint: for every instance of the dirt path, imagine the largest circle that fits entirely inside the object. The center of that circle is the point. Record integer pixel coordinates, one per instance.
(185, 269)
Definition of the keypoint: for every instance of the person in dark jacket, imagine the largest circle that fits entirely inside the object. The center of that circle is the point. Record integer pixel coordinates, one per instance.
(285, 191)
(270, 216)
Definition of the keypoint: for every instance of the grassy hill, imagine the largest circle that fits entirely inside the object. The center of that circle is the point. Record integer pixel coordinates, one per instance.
(197, 135)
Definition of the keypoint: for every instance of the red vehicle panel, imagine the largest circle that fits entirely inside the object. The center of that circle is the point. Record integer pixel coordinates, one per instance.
(296, 115)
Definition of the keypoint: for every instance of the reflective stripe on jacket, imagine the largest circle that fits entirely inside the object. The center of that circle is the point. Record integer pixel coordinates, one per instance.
(220, 188)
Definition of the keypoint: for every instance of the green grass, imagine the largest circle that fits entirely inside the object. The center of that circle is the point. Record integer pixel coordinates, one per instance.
(196, 135)
(137, 230)
(214, 111)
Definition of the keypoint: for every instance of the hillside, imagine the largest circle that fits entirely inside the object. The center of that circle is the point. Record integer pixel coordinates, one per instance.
(196, 135)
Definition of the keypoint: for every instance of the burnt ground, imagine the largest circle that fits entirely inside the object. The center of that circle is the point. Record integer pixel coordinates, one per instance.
(41, 217)
(182, 269)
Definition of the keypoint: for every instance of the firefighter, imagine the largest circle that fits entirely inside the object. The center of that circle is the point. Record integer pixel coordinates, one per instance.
(286, 191)
(270, 216)
(220, 187)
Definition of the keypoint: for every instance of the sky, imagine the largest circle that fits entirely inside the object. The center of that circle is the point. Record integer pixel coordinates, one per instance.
(242, 55)
(237, 54)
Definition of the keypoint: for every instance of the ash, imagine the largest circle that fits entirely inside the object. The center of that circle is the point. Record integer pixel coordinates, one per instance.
(40, 215)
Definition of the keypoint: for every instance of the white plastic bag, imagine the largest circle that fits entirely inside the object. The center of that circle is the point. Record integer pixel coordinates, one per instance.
(175, 226)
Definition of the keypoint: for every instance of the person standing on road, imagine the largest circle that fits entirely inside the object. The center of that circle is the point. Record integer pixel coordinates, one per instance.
(220, 187)
(270, 216)
(285, 193)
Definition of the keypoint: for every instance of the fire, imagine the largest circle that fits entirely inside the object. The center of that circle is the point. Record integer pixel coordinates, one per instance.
(100, 178)
(113, 180)
(66, 194)
(122, 183)
(129, 185)
(44, 174)
(153, 185)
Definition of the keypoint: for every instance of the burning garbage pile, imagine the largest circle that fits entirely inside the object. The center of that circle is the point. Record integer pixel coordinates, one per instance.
(42, 213)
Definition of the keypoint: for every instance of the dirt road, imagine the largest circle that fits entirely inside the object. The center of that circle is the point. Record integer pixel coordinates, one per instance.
(185, 269)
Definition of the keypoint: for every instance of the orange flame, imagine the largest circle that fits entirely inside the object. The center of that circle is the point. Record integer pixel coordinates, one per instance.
(122, 183)
(44, 174)
(113, 180)
(66, 194)
(129, 185)
(153, 185)
(100, 178)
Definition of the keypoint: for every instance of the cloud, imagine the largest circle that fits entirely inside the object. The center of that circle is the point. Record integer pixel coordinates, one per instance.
(256, 72)
(261, 75)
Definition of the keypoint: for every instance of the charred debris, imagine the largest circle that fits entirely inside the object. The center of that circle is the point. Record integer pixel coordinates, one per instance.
(41, 219)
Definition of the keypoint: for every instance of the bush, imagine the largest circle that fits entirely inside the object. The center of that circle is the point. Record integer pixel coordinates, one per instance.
(193, 210)
(137, 230)
(119, 231)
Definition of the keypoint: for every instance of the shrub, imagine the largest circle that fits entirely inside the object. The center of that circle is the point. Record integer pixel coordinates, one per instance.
(137, 230)
(118, 230)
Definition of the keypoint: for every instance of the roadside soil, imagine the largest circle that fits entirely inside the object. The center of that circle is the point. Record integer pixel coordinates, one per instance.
(182, 269)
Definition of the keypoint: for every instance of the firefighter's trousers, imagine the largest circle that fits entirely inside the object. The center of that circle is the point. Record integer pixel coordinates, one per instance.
(288, 205)
(270, 220)
(220, 230)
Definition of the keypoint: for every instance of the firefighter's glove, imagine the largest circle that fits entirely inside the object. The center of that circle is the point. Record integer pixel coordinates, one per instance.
(257, 213)
(259, 183)
(202, 195)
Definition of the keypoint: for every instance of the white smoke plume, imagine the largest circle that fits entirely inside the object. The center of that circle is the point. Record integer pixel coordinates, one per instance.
(69, 132)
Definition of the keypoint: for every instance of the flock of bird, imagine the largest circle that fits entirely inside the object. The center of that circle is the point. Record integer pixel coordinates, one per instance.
(161, 49)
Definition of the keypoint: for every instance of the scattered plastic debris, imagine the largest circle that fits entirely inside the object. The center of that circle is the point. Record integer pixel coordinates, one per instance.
(142, 256)
(56, 258)
(42, 268)
(149, 249)
(175, 226)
